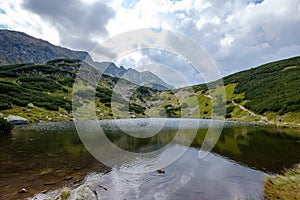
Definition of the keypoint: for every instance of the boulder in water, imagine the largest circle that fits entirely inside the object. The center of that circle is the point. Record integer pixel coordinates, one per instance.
(160, 171)
(83, 192)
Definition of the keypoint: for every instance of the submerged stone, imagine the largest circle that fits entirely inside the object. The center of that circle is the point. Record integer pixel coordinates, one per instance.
(23, 190)
(160, 171)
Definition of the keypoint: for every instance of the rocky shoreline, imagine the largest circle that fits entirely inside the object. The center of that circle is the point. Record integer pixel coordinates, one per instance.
(81, 191)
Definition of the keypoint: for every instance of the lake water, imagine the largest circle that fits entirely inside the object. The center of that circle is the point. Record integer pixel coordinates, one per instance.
(45, 157)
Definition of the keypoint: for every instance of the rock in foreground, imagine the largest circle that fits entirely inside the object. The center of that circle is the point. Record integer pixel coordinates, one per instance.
(84, 192)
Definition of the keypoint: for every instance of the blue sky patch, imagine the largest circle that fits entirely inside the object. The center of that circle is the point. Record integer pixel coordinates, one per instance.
(174, 1)
(3, 26)
(2, 11)
(11, 5)
(255, 1)
(129, 4)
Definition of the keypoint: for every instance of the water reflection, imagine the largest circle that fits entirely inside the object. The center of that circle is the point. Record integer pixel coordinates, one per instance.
(42, 160)
(45, 156)
(265, 148)
(188, 178)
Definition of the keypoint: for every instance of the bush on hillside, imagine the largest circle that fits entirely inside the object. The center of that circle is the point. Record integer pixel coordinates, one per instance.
(5, 126)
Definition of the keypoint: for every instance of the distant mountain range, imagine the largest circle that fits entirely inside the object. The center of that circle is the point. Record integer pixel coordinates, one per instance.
(44, 92)
(146, 78)
(17, 47)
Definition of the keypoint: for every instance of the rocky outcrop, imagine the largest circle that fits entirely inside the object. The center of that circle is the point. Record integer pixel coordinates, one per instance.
(145, 78)
(17, 47)
(17, 120)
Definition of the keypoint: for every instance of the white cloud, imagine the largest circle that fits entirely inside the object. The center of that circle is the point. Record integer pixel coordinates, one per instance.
(236, 34)
(226, 41)
(79, 24)
(18, 19)
(173, 69)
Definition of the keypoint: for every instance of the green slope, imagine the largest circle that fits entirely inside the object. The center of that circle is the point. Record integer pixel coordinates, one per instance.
(271, 87)
(262, 94)
(269, 92)
(43, 92)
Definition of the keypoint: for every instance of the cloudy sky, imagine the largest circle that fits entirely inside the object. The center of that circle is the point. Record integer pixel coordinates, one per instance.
(236, 34)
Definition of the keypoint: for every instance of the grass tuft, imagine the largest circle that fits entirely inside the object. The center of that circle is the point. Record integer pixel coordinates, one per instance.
(65, 193)
(284, 187)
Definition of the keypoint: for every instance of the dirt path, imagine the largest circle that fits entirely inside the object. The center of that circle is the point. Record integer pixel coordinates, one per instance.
(262, 118)
(243, 108)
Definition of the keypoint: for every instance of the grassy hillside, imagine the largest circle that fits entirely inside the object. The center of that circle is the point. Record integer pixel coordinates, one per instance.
(270, 92)
(272, 87)
(43, 92)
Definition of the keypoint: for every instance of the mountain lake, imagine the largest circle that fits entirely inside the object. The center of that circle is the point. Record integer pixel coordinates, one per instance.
(42, 158)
